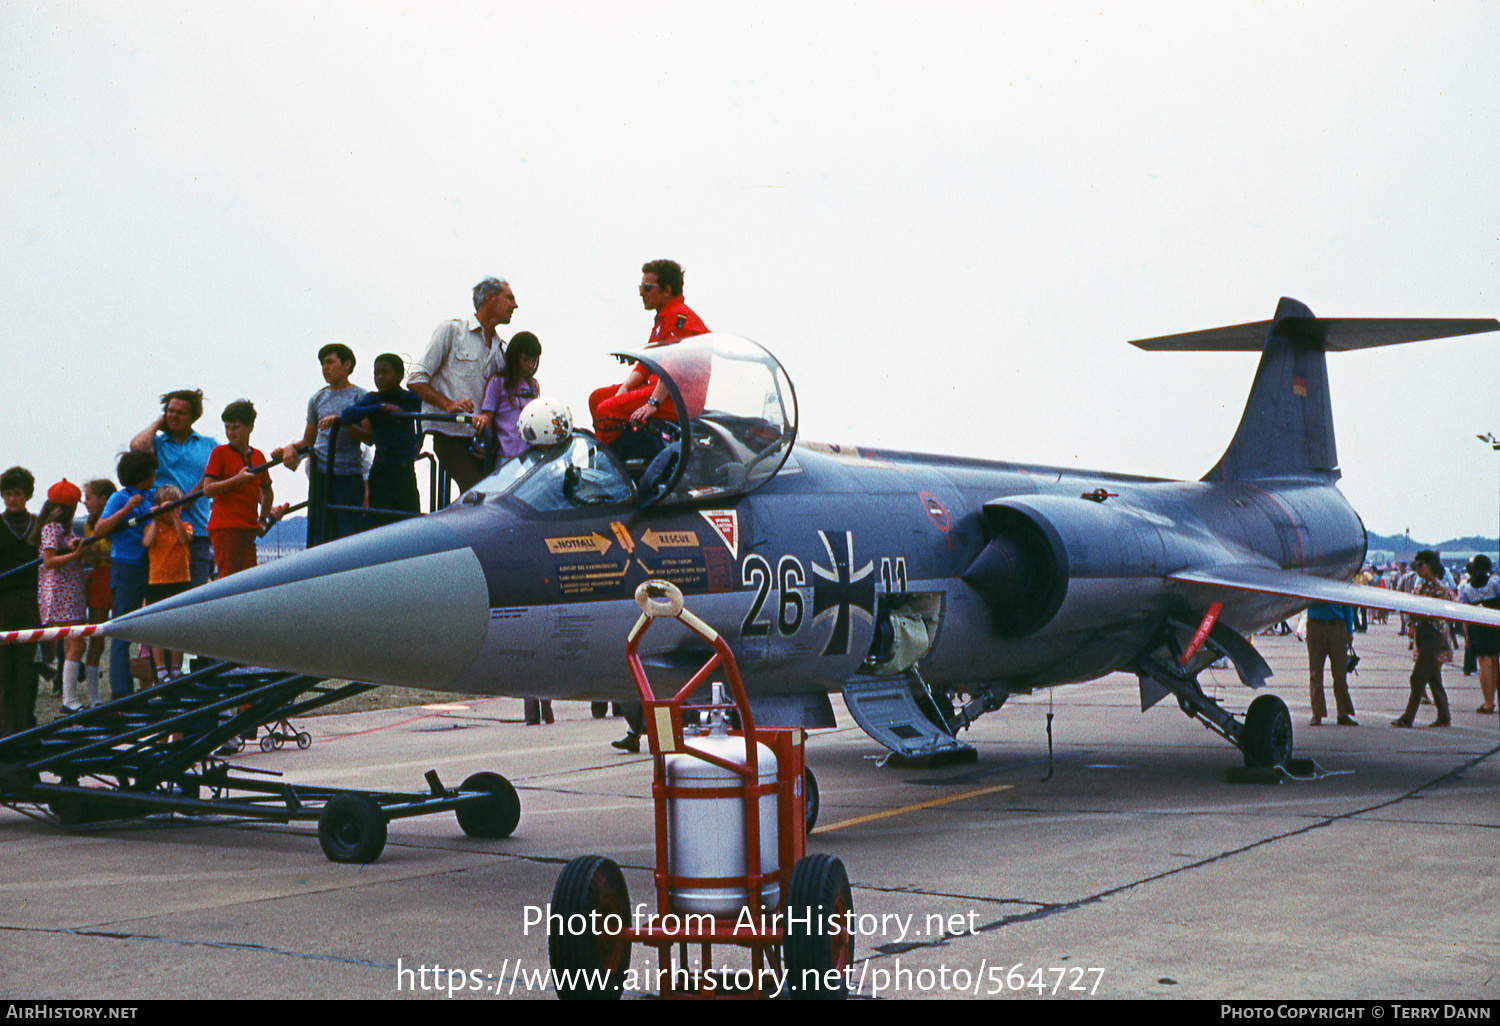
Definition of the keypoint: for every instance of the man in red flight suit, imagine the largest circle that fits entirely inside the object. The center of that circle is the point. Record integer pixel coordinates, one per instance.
(641, 395)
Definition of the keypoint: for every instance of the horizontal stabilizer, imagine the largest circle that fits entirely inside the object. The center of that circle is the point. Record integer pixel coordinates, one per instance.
(1332, 334)
(1286, 431)
(1270, 581)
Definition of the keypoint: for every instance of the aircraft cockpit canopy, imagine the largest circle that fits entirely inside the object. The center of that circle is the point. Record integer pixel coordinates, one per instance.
(734, 404)
(565, 476)
(736, 410)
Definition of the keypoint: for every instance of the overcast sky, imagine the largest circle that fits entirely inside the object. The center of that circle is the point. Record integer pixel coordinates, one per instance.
(945, 219)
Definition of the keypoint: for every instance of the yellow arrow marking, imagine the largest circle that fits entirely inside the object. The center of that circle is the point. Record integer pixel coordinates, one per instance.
(595, 542)
(841, 824)
(659, 540)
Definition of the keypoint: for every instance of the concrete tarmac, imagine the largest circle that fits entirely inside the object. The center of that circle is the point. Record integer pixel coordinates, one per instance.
(1134, 871)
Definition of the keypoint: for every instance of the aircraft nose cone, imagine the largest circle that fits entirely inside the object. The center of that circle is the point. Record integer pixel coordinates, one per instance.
(404, 604)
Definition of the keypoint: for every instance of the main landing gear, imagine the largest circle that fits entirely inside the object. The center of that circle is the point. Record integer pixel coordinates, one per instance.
(1264, 738)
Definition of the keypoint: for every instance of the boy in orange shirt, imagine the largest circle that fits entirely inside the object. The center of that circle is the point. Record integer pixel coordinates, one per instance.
(167, 541)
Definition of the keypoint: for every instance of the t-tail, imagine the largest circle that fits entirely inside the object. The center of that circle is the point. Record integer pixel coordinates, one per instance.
(1286, 431)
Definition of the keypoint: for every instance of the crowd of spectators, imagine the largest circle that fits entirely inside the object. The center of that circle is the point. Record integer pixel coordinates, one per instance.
(1330, 630)
(189, 508)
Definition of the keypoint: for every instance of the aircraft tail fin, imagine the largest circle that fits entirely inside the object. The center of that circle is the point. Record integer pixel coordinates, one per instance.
(1287, 427)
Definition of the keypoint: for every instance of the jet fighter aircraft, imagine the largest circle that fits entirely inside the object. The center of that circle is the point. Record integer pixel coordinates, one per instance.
(927, 589)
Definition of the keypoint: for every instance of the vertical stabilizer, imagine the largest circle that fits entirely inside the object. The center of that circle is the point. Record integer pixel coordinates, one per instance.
(1287, 427)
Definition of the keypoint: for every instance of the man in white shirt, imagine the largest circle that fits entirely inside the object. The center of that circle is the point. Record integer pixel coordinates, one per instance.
(450, 377)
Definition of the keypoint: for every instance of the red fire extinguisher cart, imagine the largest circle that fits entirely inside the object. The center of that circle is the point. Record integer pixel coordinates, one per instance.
(730, 862)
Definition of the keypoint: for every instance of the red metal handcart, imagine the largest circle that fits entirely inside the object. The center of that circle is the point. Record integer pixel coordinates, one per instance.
(730, 862)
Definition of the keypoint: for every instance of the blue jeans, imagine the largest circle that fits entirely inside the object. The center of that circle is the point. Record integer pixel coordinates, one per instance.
(201, 553)
(347, 490)
(127, 583)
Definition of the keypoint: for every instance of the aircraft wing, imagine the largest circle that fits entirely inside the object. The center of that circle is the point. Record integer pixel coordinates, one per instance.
(1270, 581)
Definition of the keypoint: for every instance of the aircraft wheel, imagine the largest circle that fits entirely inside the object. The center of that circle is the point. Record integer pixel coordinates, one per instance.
(304, 740)
(178, 789)
(495, 816)
(72, 811)
(1266, 740)
(818, 882)
(67, 810)
(267, 743)
(810, 798)
(588, 885)
(352, 828)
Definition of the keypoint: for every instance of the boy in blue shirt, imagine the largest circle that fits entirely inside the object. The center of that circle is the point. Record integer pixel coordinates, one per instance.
(128, 569)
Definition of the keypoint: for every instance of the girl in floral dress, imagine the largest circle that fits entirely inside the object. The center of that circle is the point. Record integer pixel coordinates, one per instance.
(60, 591)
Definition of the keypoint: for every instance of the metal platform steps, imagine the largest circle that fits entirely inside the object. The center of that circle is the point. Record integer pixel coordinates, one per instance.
(155, 752)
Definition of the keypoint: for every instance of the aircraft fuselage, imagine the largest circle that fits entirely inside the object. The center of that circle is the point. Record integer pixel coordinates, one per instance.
(793, 575)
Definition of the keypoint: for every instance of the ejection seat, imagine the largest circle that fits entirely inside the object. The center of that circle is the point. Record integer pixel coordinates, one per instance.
(640, 448)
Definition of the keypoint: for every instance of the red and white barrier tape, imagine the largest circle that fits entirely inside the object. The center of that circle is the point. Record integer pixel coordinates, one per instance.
(48, 634)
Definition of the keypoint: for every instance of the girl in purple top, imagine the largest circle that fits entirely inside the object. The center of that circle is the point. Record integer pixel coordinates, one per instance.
(505, 396)
(509, 391)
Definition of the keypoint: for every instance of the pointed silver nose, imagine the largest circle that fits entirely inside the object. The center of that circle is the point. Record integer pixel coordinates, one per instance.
(405, 604)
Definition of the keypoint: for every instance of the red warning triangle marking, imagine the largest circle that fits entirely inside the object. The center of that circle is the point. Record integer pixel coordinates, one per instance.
(726, 524)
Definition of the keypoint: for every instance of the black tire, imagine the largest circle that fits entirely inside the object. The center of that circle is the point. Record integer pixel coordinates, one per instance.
(495, 816)
(817, 938)
(810, 802)
(581, 962)
(267, 743)
(72, 810)
(178, 789)
(1266, 738)
(352, 828)
(304, 740)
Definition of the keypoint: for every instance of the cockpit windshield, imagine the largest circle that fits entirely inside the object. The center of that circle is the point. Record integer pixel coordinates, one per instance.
(572, 474)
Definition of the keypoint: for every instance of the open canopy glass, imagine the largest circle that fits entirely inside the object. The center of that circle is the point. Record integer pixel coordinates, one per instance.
(736, 421)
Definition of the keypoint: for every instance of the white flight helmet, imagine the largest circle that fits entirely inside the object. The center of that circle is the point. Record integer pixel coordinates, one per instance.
(545, 421)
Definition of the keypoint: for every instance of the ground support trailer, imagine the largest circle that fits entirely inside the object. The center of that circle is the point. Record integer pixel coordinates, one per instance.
(158, 752)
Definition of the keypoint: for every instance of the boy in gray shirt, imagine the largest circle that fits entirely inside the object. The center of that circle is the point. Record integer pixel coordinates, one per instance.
(348, 484)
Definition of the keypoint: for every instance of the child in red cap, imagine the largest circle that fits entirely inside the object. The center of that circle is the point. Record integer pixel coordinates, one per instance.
(60, 592)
